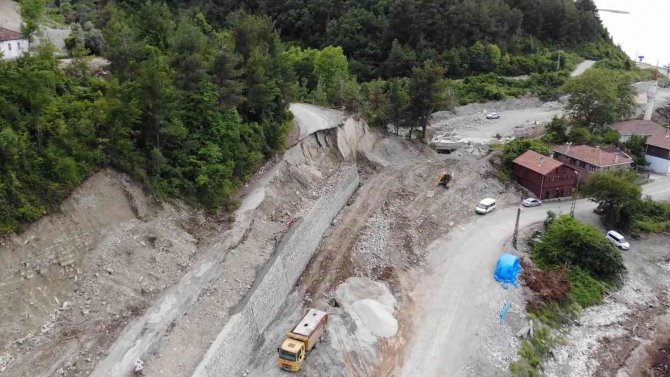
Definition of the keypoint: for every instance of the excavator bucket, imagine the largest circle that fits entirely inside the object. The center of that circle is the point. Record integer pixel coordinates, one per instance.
(442, 179)
(445, 179)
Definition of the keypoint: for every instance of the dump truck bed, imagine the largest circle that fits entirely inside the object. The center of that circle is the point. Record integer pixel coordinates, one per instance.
(310, 327)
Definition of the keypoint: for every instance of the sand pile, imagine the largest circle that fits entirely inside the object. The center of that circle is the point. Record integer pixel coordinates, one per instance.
(371, 306)
(375, 318)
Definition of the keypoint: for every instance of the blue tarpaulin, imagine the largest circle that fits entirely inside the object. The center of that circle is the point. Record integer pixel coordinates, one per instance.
(508, 269)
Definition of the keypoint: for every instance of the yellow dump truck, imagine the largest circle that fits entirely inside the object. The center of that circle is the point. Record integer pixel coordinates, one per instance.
(301, 339)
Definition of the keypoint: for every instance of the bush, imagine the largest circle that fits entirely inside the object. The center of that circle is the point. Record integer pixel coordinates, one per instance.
(569, 242)
(517, 147)
(651, 217)
(532, 352)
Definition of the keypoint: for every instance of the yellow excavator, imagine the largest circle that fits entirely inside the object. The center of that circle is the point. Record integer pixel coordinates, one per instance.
(442, 179)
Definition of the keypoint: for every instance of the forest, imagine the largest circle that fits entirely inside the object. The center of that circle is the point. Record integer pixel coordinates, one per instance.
(198, 92)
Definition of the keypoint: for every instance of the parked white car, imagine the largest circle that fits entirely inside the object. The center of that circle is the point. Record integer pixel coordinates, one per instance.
(618, 240)
(485, 206)
(531, 202)
(492, 116)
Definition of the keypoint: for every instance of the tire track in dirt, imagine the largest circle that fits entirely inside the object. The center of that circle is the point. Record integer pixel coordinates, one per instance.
(345, 233)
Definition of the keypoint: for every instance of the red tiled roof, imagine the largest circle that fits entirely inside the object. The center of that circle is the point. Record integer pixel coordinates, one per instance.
(638, 127)
(660, 140)
(537, 162)
(594, 156)
(9, 35)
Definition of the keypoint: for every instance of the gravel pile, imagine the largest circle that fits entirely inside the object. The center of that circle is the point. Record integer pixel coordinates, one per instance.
(372, 246)
(499, 343)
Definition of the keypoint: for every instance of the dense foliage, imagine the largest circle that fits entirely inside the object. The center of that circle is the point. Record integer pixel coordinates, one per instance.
(598, 98)
(48, 138)
(569, 242)
(619, 195)
(385, 38)
(517, 147)
(189, 110)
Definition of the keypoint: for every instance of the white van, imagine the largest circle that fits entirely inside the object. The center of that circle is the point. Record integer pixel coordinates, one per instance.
(485, 206)
(617, 239)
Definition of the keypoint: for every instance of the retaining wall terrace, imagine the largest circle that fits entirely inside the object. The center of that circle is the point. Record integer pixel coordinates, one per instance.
(231, 350)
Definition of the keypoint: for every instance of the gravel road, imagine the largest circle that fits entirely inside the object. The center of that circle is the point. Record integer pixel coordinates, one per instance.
(454, 301)
(9, 15)
(582, 67)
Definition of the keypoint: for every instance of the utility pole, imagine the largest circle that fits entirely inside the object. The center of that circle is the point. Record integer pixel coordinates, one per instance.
(574, 196)
(516, 227)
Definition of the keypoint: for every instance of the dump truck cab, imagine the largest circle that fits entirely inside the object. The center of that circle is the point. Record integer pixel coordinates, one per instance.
(291, 355)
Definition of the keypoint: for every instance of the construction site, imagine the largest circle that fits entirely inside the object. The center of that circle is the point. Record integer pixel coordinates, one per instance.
(376, 231)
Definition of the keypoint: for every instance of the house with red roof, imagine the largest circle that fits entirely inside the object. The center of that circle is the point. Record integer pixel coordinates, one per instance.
(543, 176)
(657, 153)
(587, 160)
(12, 44)
(644, 128)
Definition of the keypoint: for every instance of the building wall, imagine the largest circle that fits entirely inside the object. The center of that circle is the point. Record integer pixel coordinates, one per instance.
(556, 184)
(658, 165)
(655, 151)
(584, 168)
(13, 49)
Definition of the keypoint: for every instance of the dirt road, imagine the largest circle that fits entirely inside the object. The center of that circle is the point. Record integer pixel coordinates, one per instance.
(312, 118)
(582, 67)
(454, 301)
(9, 15)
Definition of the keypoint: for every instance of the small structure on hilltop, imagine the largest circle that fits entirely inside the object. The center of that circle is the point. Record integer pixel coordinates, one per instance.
(543, 176)
(12, 44)
(587, 160)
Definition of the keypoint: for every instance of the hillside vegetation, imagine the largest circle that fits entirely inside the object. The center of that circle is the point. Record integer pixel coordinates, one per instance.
(198, 92)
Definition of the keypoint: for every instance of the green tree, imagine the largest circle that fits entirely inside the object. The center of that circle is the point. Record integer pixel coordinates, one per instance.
(517, 147)
(617, 193)
(557, 130)
(579, 135)
(427, 93)
(399, 61)
(637, 146)
(598, 98)
(31, 13)
(332, 72)
(569, 242)
(399, 101)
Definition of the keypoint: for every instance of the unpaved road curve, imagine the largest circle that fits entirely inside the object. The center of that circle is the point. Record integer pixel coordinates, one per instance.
(311, 118)
(582, 67)
(454, 300)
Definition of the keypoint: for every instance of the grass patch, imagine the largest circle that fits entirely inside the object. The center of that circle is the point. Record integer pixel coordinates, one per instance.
(585, 290)
(532, 352)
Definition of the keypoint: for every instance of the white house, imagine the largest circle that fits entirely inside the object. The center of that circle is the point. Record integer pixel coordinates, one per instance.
(12, 44)
(658, 153)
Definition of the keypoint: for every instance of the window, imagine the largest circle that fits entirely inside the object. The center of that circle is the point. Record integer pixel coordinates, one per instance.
(592, 168)
(582, 164)
(573, 161)
(10, 46)
(18, 45)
